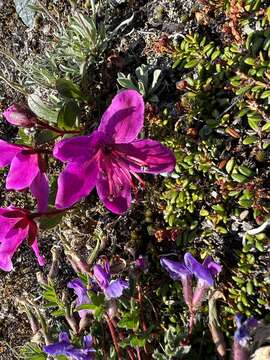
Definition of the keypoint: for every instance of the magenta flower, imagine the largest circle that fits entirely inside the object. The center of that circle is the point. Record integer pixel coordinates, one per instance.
(20, 116)
(64, 347)
(112, 289)
(110, 157)
(16, 225)
(27, 170)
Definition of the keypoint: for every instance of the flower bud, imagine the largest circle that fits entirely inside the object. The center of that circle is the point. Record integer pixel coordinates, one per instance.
(20, 116)
(112, 308)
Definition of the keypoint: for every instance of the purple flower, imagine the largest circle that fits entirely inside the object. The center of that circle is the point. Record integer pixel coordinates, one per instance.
(27, 170)
(20, 116)
(112, 289)
(82, 297)
(204, 272)
(183, 271)
(110, 157)
(242, 337)
(16, 225)
(141, 263)
(243, 329)
(64, 347)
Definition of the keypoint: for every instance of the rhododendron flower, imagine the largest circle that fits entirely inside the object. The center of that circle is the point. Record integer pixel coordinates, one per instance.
(20, 116)
(112, 289)
(16, 225)
(27, 170)
(110, 157)
(204, 272)
(64, 347)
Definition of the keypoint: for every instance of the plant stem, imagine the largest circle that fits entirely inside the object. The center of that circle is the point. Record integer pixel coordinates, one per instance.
(55, 129)
(114, 338)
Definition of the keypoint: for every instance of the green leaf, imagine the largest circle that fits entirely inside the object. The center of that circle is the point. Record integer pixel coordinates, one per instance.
(48, 222)
(245, 170)
(249, 61)
(67, 115)
(130, 321)
(191, 63)
(219, 208)
(266, 127)
(253, 123)
(31, 351)
(126, 82)
(58, 313)
(239, 178)
(41, 109)
(250, 139)
(97, 299)
(68, 89)
(135, 341)
(265, 94)
(230, 165)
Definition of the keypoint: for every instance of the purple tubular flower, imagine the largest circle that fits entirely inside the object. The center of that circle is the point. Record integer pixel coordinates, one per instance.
(16, 225)
(242, 337)
(82, 297)
(20, 116)
(204, 272)
(243, 329)
(64, 347)
(26, 171)
(109, 157)
(179, 271)
(111, 289)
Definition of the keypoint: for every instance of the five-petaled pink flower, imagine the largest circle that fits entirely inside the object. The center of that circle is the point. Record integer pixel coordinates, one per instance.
(110, 157)
(16, 225)
(27, 170)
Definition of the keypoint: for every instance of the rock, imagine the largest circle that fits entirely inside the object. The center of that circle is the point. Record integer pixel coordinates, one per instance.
(25, 12)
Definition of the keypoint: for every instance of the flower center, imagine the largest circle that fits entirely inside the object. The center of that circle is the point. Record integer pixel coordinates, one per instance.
(118, 172)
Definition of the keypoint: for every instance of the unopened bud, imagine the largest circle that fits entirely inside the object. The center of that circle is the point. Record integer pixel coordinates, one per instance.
(20, 116)
(112, 308)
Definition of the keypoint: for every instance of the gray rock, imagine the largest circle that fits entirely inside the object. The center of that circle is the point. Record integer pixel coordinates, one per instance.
(25, 12)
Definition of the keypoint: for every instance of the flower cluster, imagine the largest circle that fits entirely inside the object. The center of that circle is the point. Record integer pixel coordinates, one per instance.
(109, 159)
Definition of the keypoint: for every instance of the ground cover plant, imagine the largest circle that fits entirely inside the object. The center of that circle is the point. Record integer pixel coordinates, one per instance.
(134, 156)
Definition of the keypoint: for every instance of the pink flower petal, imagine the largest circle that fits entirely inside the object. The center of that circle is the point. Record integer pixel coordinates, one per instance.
(24, 168)
(77, 148)
(9, 246)
(40, 190)
(113, 188)
(75, 182)
(7, 152)
(148, 156)
(123, 120)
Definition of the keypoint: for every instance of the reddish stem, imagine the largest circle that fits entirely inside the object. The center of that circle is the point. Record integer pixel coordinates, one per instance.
(114, 338)
(50, 213)
(55, 129)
